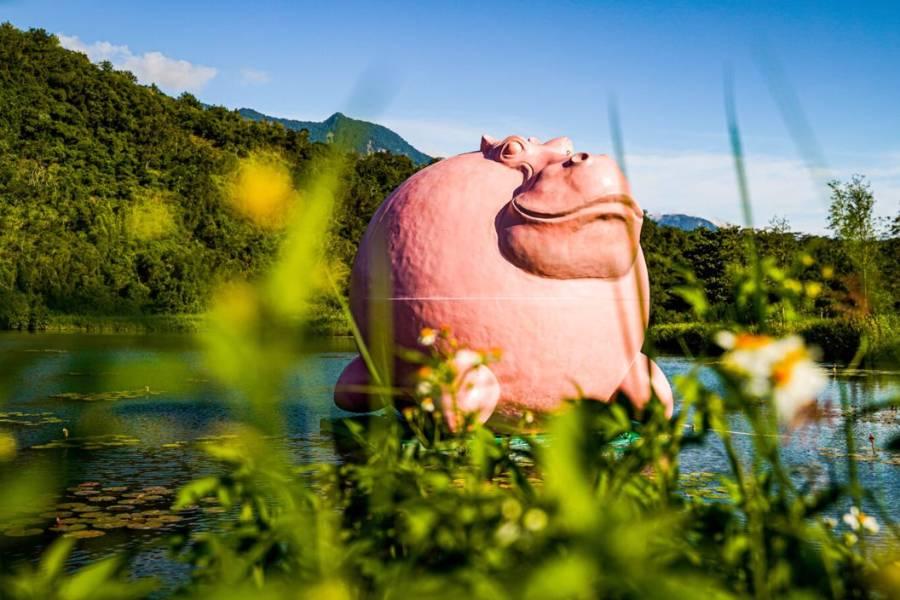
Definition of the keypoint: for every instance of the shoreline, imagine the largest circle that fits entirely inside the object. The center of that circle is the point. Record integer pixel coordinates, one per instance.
(838, 339)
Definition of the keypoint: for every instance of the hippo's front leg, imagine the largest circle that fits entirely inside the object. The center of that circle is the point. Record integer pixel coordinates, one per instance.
(644, 379)
(352, 391)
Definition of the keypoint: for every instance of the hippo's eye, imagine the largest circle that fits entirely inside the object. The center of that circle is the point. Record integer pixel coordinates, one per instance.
(512, 148)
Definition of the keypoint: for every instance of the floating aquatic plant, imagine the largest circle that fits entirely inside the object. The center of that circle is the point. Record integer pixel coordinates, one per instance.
(105, 396)
(22, 532)
(98, 442)
(24, 419)
(84, 533)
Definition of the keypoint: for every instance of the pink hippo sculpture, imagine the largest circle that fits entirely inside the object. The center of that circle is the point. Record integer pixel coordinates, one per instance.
(525, 246)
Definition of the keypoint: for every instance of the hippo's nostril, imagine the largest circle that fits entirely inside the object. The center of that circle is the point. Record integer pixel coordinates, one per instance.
(580, 157)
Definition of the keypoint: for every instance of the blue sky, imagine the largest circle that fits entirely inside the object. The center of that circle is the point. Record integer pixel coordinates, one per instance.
(442, 73)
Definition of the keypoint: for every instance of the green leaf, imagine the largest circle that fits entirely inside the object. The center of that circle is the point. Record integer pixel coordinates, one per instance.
(55, 558)
(89, 580)
(195, 490)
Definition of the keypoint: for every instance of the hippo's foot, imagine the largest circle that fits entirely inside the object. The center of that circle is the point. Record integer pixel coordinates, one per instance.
(353, 390)
(643, 380)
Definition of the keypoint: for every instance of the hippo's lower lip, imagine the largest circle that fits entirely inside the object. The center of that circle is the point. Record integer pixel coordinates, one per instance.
(614, 206)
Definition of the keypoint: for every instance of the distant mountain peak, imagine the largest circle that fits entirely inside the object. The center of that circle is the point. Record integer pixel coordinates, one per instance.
(361, 136)
(683, 222)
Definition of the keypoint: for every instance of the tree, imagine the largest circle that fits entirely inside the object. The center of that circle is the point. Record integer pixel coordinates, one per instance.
(852, 220)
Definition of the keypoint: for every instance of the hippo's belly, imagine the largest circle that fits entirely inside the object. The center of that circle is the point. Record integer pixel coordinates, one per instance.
(556, 337)
(551, 346)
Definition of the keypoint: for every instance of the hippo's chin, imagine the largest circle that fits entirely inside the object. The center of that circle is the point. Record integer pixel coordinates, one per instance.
(597, 239)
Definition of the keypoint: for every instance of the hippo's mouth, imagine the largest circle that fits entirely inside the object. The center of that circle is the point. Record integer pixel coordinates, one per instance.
(613, 206)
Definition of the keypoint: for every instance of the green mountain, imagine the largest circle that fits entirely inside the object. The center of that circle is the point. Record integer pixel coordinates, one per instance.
(360, 136)
(113, 195)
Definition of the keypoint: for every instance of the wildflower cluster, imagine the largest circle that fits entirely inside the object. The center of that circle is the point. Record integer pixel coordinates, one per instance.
(454, 383)
(782, 369)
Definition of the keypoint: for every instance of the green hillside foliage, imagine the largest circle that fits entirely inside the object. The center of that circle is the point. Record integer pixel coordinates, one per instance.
(111, 200)
(361, 136)
(714, 261)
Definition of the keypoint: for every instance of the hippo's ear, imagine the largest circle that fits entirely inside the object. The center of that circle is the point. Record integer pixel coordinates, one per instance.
(487, 144)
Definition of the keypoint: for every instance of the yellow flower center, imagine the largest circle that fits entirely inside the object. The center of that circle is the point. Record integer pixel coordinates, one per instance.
(783, 369)
(749, 341)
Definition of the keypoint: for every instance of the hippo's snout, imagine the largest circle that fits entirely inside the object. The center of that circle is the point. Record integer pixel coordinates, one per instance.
(573, 219)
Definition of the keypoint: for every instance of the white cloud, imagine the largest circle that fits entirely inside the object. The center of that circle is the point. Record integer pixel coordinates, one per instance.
(254, 77)
(168, 73)
(704, 184)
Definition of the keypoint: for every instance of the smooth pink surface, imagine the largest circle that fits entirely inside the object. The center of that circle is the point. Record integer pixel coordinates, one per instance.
(527, 247)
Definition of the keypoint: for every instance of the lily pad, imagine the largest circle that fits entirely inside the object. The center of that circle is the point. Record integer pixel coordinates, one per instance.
(111, 524)
(62, 514)
(71, 505)
(22, 532)
(23, 419)
(104, 499)
(99, 442)
(86, 533)
(117, 488)
(87, 508)
(105, 396)
(169, 518)
(154, 524)
(119, 508)
(70, 527)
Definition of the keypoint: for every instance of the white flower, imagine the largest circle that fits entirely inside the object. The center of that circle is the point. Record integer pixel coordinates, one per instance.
(798, 380)
(783, 368)
(465, 359)
(428, 405)
(424, 388)
(829, 522)
(856, 519)
(428, 336)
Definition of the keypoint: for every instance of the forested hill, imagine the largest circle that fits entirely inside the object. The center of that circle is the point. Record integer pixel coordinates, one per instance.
(361, 136)
(111, 195)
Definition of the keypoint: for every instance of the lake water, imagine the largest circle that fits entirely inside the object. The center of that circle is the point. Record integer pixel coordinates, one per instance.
(51, 382)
